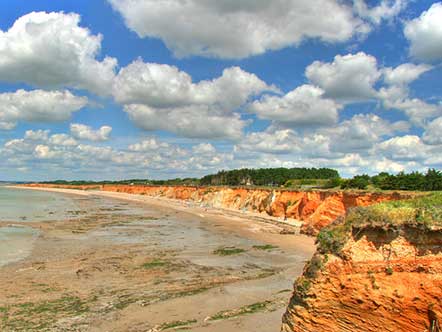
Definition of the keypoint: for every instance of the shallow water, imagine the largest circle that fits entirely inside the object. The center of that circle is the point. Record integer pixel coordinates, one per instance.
(19, 205)
(16, 243)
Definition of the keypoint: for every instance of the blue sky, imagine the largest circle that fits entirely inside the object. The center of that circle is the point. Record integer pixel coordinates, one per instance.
(113, 89)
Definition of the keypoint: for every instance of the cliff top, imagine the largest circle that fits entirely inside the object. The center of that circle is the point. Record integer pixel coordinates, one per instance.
(421, 212)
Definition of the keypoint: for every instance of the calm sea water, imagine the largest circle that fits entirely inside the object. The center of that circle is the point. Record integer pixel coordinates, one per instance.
(20, 207)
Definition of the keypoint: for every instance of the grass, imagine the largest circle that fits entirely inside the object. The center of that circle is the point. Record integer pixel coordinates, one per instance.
(156, 263)
(423, 211)
(40, 316)
(265, 247)
(249, 309)
(175, 324)
(228, 251)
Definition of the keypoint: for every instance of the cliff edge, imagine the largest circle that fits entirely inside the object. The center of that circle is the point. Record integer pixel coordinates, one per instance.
(379, 269)
(315, 208)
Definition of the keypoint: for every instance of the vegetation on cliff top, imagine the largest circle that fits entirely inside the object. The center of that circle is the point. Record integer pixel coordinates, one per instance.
(423, 211)
(267, 176)
(296, 178)
(416, 181)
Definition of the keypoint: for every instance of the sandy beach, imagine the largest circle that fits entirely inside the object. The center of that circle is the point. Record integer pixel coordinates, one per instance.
(125, 262)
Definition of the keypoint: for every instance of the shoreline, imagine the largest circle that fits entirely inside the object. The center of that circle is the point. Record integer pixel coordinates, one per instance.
(292, 226)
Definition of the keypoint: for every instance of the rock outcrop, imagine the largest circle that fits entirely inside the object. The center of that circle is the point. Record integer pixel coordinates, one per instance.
(315, 208)
(381, 280)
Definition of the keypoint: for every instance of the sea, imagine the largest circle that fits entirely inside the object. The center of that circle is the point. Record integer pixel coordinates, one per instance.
(19, 208)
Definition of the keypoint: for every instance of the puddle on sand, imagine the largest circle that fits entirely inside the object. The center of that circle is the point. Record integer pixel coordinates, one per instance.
(16, 243)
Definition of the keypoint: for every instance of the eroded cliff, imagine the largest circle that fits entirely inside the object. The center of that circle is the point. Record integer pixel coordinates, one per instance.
(378, 270)
(315, 208)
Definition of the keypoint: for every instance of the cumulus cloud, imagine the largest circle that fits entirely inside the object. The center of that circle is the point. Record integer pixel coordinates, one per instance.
(270, 141)
(238, 29)
(62, 140)
(348, 78)
(361, 132)
(433, 132)
(204, 149)
(51, 50)
(62, 154)
(387, 9)
(403, 148)
(161, 97)
(81, 131)
(37, 135)
(355, 136)
(405, 73)
(38, 106)
(304, 106)
(43, 152)
(151, 144)
(161, 86)
(397, 97)
(193, 121)
(425, 34)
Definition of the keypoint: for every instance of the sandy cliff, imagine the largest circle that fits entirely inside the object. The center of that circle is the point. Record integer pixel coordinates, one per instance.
(316, 208)
(378, 279)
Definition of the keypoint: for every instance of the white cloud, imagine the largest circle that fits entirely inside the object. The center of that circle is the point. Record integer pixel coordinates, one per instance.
(404, 148)
(192, 121)
(304, 106)
(160, 97)
(348, 78)
(38, 106)
(7, 125)
(62, 140)
(396, 97)
(147, 145)
(356, 136)
(360, 133)
(405, 73)
(238, 29)
(270, 141)
(387, 9)
(204, 149)
(433, 132)
(51, 50)
(43, 152)
(162, 86)
(57, 155)
(37, 135)
(81, 131)
(425, 34)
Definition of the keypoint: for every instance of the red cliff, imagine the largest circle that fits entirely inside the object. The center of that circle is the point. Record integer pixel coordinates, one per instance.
(315, 208)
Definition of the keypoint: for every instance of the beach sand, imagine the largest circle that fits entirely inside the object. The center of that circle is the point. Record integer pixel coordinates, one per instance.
(134, 263)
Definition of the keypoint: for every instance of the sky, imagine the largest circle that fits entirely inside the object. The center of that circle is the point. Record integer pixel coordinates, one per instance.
(120, 89)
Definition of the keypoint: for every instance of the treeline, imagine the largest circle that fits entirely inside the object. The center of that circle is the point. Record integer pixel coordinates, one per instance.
(253, 177)
(299, 178)
(429, 181)
(170, 182)
(266, 176)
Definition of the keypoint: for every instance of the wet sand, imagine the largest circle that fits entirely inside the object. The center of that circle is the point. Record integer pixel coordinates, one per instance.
(128, 263)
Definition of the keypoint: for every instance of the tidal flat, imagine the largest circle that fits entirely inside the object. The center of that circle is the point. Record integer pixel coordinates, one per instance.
(98, 263)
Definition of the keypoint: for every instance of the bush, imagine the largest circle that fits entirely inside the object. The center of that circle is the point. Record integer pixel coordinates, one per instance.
(357, 182)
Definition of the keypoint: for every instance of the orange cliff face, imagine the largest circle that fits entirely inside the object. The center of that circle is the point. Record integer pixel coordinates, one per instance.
(315, 208)
(382, 281)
